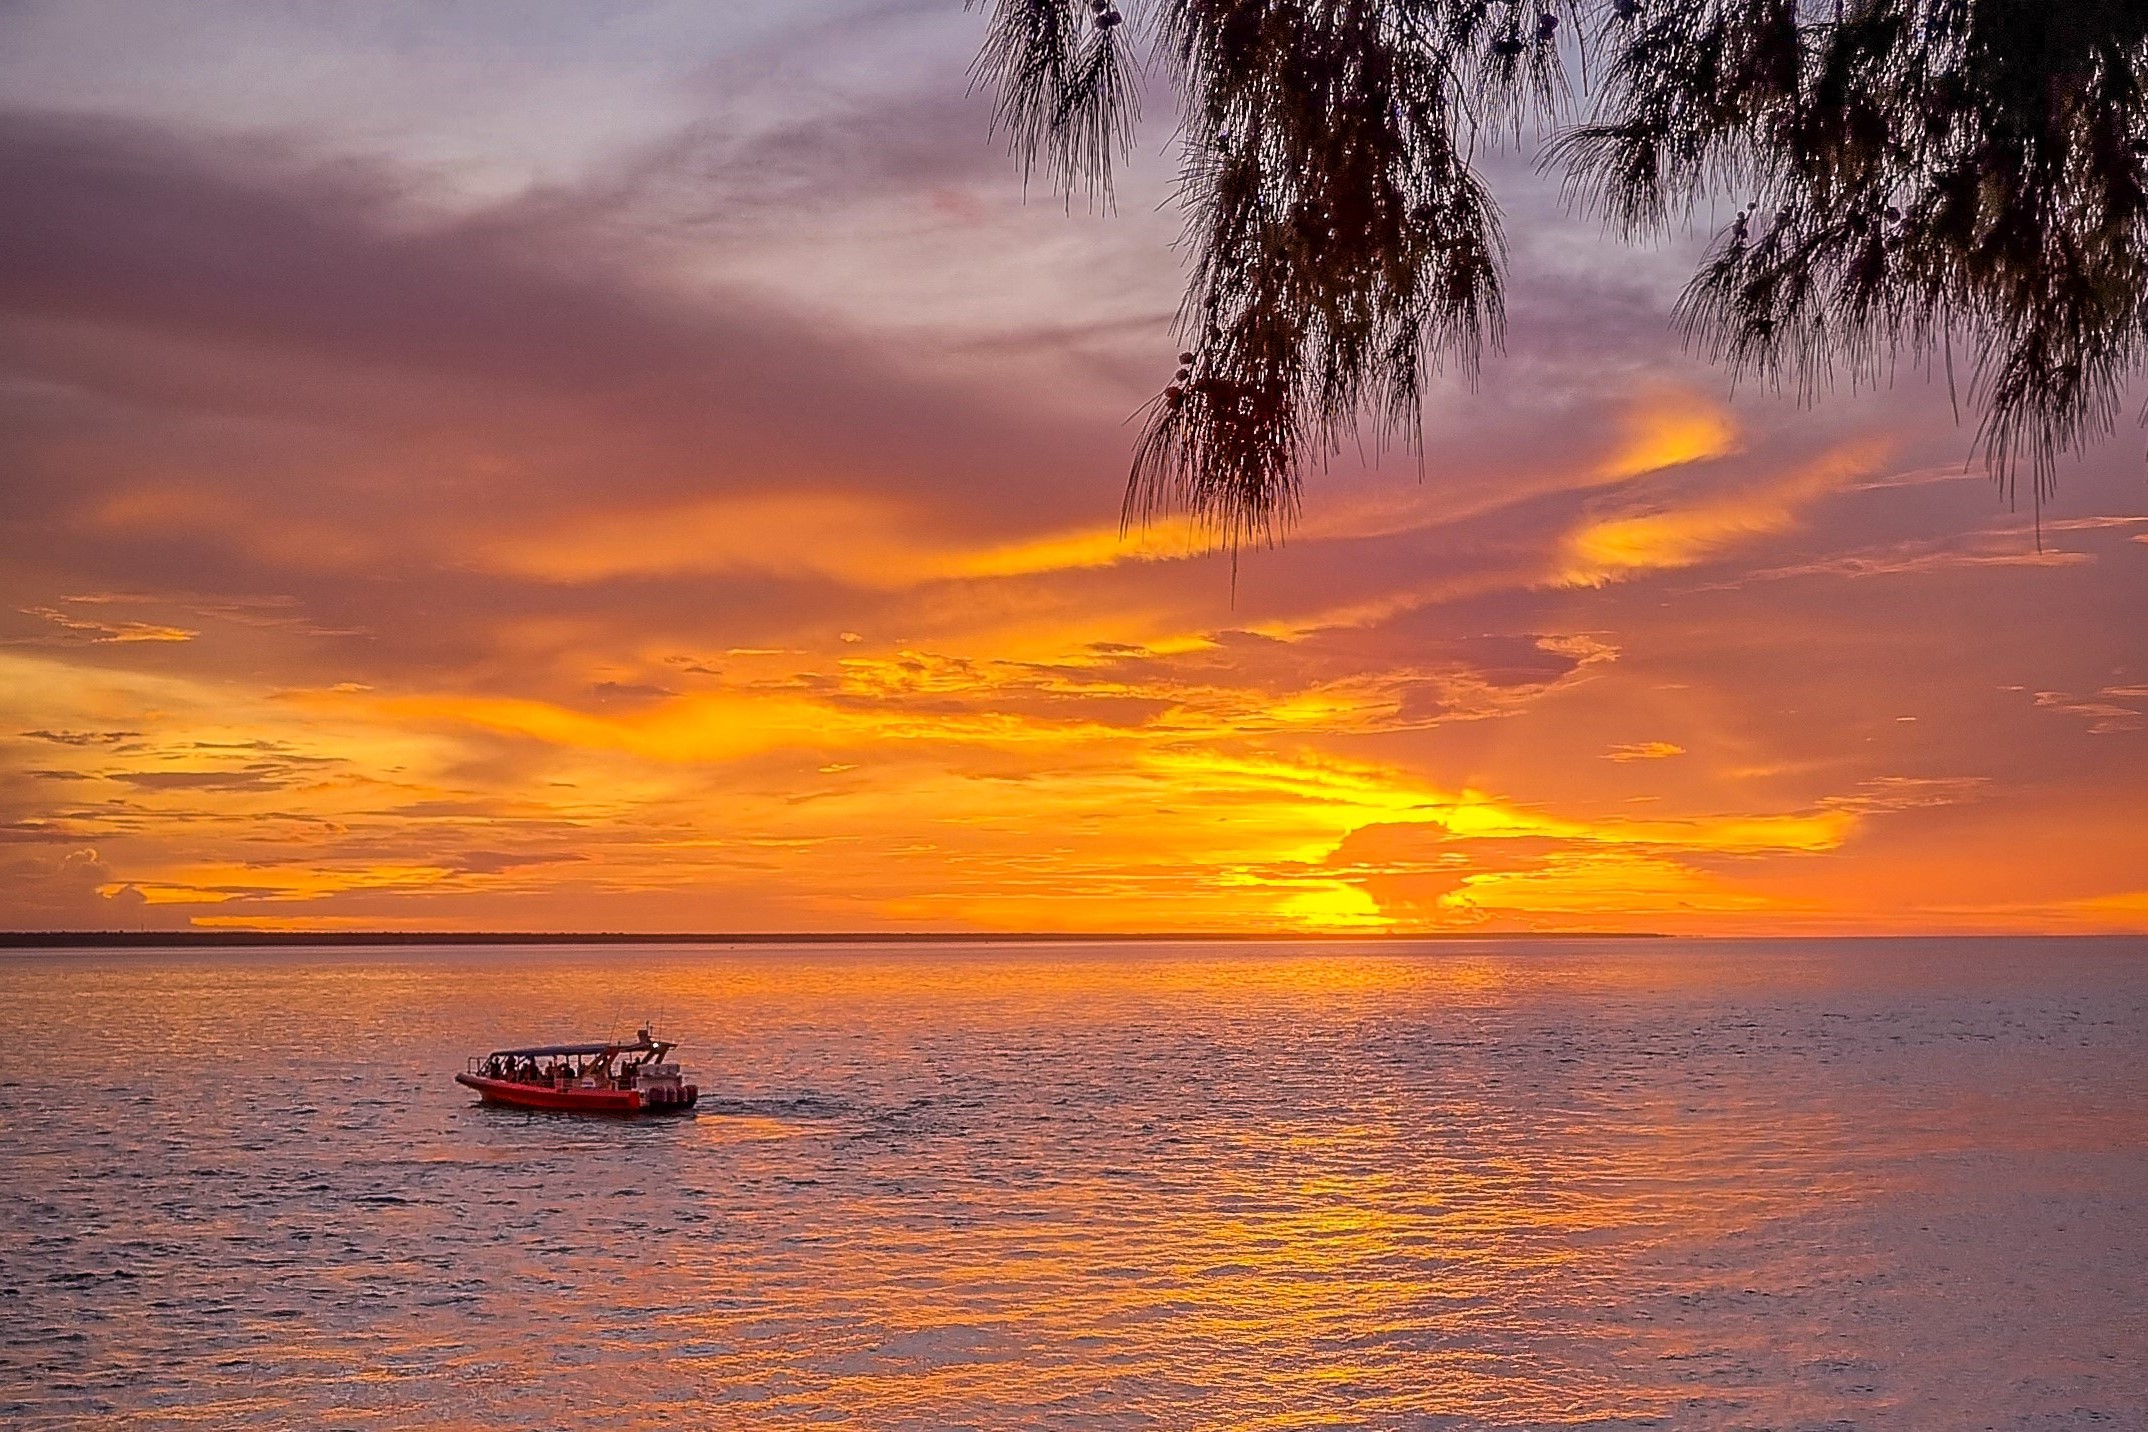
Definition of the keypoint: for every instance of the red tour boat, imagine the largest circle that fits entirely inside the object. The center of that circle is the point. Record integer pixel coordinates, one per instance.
(611, 1078)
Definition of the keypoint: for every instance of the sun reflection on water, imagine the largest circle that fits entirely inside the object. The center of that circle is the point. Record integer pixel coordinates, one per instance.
(1478, 1185)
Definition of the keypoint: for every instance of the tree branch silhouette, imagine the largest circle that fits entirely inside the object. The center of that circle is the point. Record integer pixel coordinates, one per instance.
(1913, 176)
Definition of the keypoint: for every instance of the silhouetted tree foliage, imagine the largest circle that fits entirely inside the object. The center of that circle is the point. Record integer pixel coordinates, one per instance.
(1911, 176)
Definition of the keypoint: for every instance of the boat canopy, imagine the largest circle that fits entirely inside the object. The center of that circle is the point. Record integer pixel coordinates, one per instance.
(615, 1046)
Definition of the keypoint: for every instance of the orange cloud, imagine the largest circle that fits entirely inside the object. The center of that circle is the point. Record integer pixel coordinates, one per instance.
(859, 540)
(82, 628)
(1611, 548)
(1667, 429)
(1644, 751)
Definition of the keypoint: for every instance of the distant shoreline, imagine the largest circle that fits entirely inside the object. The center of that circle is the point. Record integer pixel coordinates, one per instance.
(183, 939)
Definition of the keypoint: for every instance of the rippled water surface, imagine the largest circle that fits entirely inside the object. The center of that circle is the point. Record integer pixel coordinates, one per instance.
(1603, 1185)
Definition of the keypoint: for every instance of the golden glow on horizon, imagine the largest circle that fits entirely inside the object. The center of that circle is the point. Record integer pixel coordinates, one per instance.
(1132, 827)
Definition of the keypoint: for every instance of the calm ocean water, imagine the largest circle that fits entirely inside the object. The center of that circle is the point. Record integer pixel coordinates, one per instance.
(1603, 1185)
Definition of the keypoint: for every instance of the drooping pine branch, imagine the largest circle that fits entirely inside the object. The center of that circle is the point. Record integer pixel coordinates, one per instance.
(1342, 247)
(1068, 96)
(1914, 175)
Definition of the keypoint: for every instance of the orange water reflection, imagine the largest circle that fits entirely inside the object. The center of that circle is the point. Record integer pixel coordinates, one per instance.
(1532, 1186)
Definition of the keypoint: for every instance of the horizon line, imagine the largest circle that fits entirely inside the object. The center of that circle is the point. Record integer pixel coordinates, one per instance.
(77, 939)
(199, 938)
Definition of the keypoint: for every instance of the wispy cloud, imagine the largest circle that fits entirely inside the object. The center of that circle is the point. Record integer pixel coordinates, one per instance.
(1621, 544)
(1644, 751)
(841, 536)
(80, 628)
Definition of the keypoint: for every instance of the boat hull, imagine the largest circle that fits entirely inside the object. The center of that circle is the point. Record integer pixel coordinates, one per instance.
(515, 1094)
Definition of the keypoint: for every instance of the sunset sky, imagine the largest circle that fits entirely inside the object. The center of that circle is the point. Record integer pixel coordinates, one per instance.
(647, 466)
